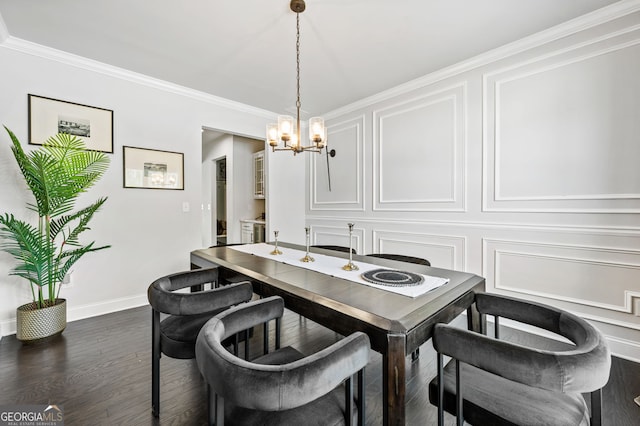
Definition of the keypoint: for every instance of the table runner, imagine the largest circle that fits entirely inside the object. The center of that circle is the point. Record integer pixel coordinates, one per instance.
(332, 266)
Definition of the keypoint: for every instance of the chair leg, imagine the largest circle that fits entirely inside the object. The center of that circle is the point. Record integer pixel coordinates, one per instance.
(459, 412)
(236, 344)
(265, 338)
(211, 406)
(361, 398)
(440, 390)
(596, 407)
(246, 345)
(219, 401)
(415, 355)
(155, 362)
(348, 401)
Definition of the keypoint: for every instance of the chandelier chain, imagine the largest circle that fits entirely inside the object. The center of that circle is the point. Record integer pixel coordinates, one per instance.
(298, 61)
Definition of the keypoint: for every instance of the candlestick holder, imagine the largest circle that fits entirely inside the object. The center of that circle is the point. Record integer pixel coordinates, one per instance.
(307, 257)
(275, 251)
(350, 266)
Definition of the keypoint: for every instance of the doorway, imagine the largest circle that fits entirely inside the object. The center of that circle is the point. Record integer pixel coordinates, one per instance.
(229, 186)
(219, 199)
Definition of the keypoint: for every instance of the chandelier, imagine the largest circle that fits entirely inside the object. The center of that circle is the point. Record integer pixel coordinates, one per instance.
(287, 129)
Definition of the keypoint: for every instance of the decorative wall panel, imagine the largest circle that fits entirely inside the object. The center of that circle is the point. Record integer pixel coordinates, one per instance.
(442, 251)
(339, 186)
(591, 276)
(419, 151)
(333, 235)
(562, 131)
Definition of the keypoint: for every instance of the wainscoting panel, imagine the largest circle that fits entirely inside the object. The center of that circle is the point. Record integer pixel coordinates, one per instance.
(344, 171)
(562, 130)
(338, 236)
(440, 250)
(419, 151)
(608, 279)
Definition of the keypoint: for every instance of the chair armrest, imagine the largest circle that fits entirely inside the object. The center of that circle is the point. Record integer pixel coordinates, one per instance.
(248, 315)
(277, 387)
(540, 315)
(174, 303)
(578, 370)
(190, 278)
(311, 377)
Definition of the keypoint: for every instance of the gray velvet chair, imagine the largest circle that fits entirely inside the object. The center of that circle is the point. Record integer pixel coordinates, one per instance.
(495, 382)
(175, 336)
(282, 387)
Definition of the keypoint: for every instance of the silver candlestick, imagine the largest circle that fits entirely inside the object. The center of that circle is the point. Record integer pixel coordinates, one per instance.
(275, 250)
(350, 266)
(307, 257)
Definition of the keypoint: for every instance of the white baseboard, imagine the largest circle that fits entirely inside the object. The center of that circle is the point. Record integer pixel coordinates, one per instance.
(86, 311)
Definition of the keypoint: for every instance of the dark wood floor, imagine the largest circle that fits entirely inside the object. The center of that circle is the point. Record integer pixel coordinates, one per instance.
(99, 370)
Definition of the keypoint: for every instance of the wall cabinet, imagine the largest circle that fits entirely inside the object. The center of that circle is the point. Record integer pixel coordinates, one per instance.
(258, 175)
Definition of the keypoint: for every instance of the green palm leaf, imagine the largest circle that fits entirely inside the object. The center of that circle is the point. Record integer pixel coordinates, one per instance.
(56, 174)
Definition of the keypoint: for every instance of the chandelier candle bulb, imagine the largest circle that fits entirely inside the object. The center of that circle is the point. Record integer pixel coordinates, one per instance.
(272, 134)
(316, 130)
(285, 127)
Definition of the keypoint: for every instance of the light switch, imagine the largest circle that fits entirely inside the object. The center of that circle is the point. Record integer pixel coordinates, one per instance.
(185, 206)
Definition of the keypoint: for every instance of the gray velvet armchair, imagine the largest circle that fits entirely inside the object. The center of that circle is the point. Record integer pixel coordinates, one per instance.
(186, 313)
(282, 387)
(492, 381)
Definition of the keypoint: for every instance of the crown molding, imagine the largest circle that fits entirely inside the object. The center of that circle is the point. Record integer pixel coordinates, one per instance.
(38, 50)
(4, 32)
(581, 23)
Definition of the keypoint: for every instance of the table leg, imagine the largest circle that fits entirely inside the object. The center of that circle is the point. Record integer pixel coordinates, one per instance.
(393, 377)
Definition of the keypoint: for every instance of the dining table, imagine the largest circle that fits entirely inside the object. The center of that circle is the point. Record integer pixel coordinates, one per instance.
(397, 318)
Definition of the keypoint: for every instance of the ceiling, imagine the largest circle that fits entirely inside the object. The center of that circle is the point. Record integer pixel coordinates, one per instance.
(245, 50)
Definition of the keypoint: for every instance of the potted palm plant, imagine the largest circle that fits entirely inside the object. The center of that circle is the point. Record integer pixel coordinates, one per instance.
(56, 174)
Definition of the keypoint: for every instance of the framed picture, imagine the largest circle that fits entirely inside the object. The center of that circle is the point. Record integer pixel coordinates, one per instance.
(48, 117)
(153, 169)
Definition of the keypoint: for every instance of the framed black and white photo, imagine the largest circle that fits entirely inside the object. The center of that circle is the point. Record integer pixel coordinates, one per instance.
(152, 169)
(48, 117)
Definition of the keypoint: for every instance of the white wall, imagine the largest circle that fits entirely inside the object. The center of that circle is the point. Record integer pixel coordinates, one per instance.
(520, 165)
(149, 233)
(285, 182)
